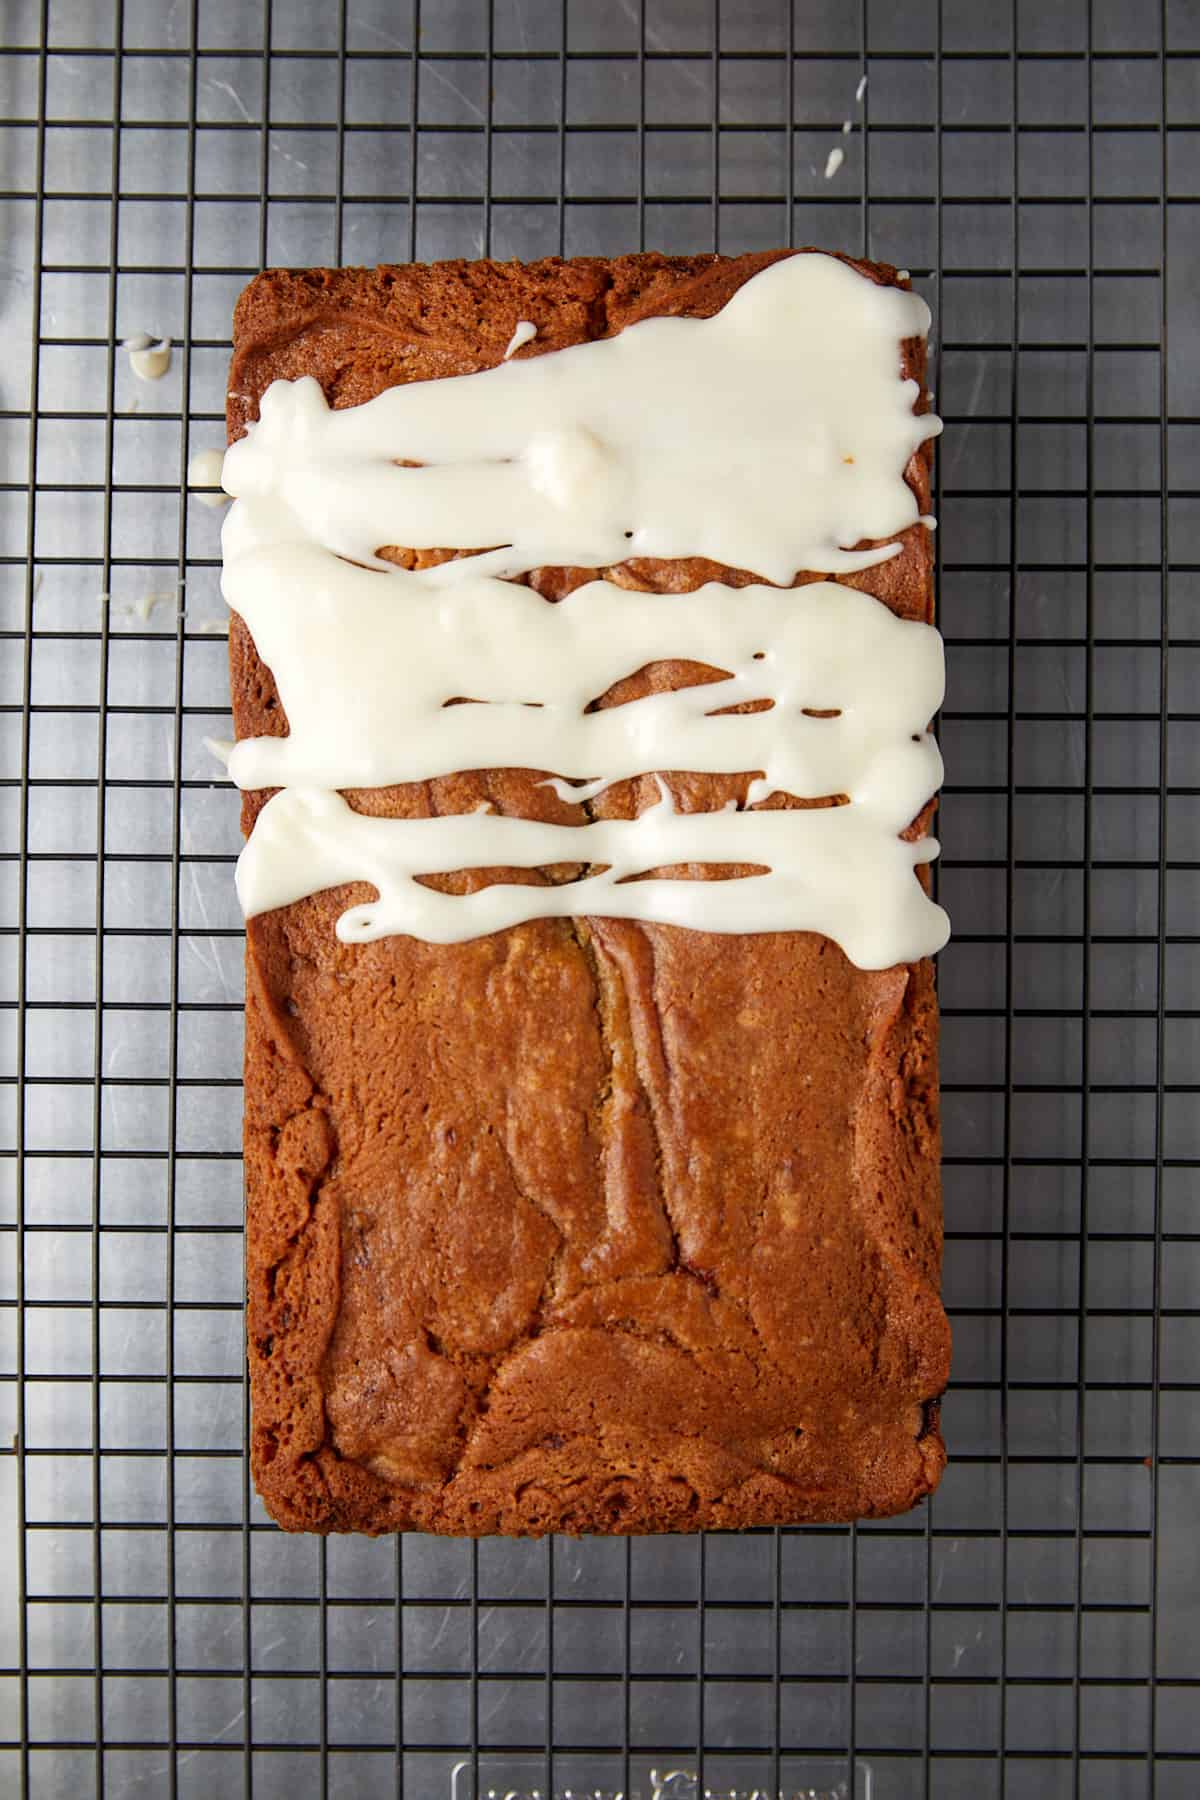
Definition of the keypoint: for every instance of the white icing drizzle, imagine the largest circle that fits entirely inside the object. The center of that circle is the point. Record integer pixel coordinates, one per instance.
(860, 90)
(831, 869)
(525, 333)
(771, 437)
(367, 706)
(834, 161)
(204, 477)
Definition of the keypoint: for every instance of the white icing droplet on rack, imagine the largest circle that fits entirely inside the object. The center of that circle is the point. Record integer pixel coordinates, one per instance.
(204, 476)
(860, 90)
(526, 331)
(149, 358)
(847, 127)
(834, 161)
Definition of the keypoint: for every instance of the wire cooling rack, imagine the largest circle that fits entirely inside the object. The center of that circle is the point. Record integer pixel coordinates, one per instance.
(1035, 1632)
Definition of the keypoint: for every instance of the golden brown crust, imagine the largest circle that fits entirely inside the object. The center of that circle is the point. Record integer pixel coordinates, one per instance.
(586, 1226)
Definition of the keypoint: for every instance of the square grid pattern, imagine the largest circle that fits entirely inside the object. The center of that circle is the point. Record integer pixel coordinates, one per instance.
(1034, 1632)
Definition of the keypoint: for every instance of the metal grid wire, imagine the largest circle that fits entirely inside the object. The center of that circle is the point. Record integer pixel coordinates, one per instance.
(1036, 1630)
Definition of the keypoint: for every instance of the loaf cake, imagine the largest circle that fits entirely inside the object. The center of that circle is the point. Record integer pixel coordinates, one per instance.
(586, 1224)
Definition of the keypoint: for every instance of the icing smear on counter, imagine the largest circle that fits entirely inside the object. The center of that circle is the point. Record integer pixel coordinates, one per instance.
(772, 437)
(204, 477)
(149, 358)
(827, 868)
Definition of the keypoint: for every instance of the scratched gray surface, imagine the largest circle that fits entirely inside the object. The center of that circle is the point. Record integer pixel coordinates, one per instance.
(1036, 1631)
